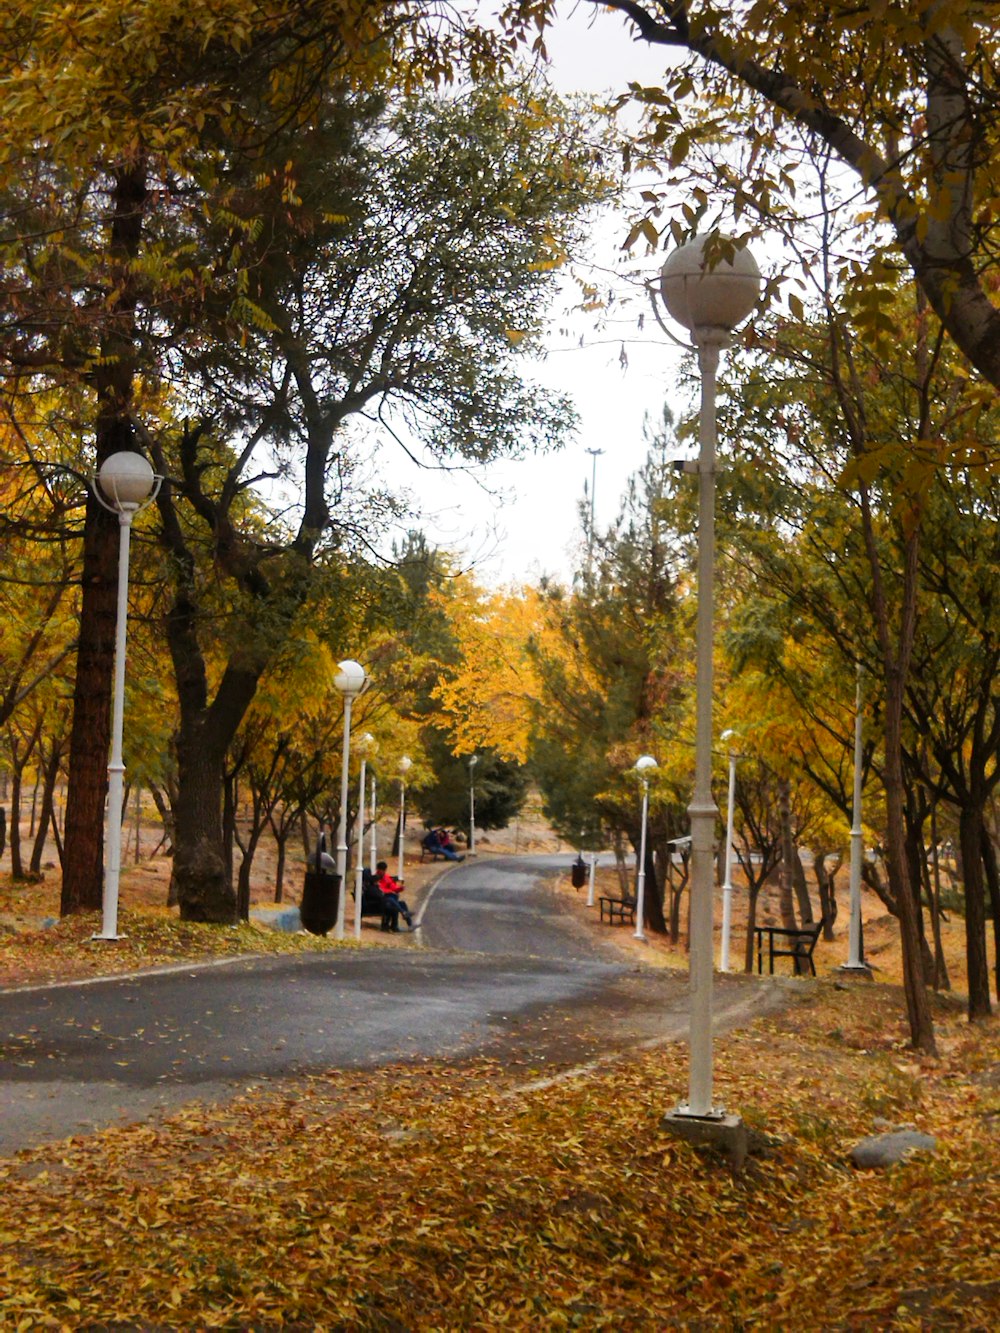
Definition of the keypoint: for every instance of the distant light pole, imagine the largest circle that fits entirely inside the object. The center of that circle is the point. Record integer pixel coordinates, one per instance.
(727, 886)
(373, 854)
(365, 744)
(595, 455)
(709, 301)
(592, 877)
(125, 484)
(473, 761)
(350, 680)
(855, 948)
(643, 765)
(405, 764)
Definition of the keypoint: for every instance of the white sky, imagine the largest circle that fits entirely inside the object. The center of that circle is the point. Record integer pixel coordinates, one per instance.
(521, 520)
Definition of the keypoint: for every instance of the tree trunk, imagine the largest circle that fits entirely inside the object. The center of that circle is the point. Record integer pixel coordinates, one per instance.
(677, 895)
(90, 735)
(204, 889)
(993, 883)
(229, 836)
(243, 877)
(941, 979)
(802, 889)
(258, 821)
(971, 837)
(895, 666)
(16, 865)
(653, 896)
(826, 883)
(279, 868)
(753, 893)
(166, 817)
(786, 870)
(46, 816)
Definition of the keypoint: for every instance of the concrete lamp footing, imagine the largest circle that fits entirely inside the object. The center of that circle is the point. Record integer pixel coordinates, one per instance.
(723, 1135)
(861, 970)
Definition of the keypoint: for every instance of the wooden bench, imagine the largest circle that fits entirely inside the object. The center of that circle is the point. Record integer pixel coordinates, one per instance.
(783, 942)
(620, 909)
(372, 898)
(429, 853)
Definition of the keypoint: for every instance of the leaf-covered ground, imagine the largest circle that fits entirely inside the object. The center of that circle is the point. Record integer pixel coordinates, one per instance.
(431, 1197)
(460, 1197)
(149, 939)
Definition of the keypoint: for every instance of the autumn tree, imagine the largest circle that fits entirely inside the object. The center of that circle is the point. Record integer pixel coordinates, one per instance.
(903, 99)
(100, 156)
(614, 675)
(871, 423)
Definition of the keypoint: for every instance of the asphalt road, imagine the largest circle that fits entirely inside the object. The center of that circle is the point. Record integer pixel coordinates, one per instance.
(499, 967)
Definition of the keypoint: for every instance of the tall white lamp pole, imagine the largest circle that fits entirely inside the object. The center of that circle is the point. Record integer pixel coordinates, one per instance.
(727, 886)
(125, 484)
(350, 680)
(643, 764)
(473, 761)
(709, 299)
(364, 748)
(373, 852)
(595, 455)
(591, 878)
(405, 765)
(855, 960)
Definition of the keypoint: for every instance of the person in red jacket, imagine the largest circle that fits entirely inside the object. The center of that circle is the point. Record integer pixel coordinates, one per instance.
(391, 890)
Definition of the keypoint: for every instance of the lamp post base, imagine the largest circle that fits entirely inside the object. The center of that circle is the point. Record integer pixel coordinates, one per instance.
(855, 970)
(97, 936)
(725, 1135)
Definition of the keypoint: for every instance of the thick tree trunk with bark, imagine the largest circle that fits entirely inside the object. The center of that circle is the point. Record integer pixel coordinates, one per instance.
(90, 736)
(204, 889)
(904, 892)
(653, 896)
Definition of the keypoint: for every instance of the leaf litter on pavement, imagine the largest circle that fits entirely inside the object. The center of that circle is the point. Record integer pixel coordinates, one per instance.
(435, 1196)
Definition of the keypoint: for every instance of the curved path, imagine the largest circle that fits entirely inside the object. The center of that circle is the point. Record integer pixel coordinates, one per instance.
(499, 967)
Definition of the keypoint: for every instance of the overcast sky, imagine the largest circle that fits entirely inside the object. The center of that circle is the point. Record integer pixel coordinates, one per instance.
(520, 519)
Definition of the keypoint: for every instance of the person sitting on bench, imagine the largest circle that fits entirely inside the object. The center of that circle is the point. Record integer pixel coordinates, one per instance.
(391, 889)
(438, 842)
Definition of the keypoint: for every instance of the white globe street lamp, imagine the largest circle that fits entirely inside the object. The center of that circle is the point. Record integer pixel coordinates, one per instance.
(350, 680)
(709, 295)
(125, 484)
(366, 744)
(727, 886)
(473, 761)
(643, 765)
(405, 764)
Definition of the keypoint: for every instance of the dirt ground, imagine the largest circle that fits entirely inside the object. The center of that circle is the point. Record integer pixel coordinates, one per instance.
(28, 906)
(32, 904)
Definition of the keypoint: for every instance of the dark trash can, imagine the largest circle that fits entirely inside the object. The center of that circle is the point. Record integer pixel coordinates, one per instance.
(320, 892)
(578, 873)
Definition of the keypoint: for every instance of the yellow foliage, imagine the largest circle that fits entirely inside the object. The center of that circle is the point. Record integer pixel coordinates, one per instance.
(488, 698)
